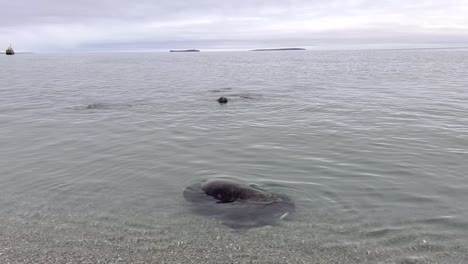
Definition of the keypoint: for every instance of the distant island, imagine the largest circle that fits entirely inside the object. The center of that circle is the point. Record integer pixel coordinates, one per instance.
(278, 49)
(189, 50)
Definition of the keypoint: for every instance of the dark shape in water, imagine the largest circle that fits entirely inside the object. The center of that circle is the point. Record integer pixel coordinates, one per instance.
(238, 205)
(220, 90)
(222, 100)
(108, 106)
(96, 106)
(245, 96)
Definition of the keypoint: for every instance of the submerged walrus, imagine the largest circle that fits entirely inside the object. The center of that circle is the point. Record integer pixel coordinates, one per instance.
(238, 205)
(98, 106)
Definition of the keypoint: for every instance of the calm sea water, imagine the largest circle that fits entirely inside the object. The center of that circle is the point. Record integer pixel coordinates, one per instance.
(371, 145)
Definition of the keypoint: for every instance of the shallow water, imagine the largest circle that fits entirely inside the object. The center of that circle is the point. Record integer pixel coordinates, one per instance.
(372, 146)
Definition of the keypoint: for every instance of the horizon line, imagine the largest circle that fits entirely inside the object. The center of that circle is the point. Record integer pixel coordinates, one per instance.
(239, 50)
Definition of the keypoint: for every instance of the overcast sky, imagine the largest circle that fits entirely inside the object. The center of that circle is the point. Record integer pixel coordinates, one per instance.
(144, 25)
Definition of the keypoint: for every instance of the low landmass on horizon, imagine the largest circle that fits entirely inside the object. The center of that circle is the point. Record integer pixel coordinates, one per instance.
(280, 49)
(188, 50)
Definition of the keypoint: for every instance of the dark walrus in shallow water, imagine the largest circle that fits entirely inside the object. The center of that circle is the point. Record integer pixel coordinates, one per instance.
(238, 205)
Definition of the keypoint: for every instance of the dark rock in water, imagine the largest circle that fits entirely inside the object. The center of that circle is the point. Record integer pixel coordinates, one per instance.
(222, 100)
(238, 205)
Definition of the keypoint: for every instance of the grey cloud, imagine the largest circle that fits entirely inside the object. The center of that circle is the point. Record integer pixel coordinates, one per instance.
(49, 25)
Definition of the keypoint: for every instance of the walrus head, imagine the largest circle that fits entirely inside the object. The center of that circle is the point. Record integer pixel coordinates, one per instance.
(222, 100)
(226, 191)
(221, 190)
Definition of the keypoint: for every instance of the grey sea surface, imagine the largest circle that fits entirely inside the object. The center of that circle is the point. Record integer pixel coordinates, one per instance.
(372, 147)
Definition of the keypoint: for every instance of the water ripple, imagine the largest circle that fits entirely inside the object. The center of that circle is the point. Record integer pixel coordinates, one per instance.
(359, 143)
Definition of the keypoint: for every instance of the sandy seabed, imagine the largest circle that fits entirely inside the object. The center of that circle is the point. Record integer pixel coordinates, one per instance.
(180, 237)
